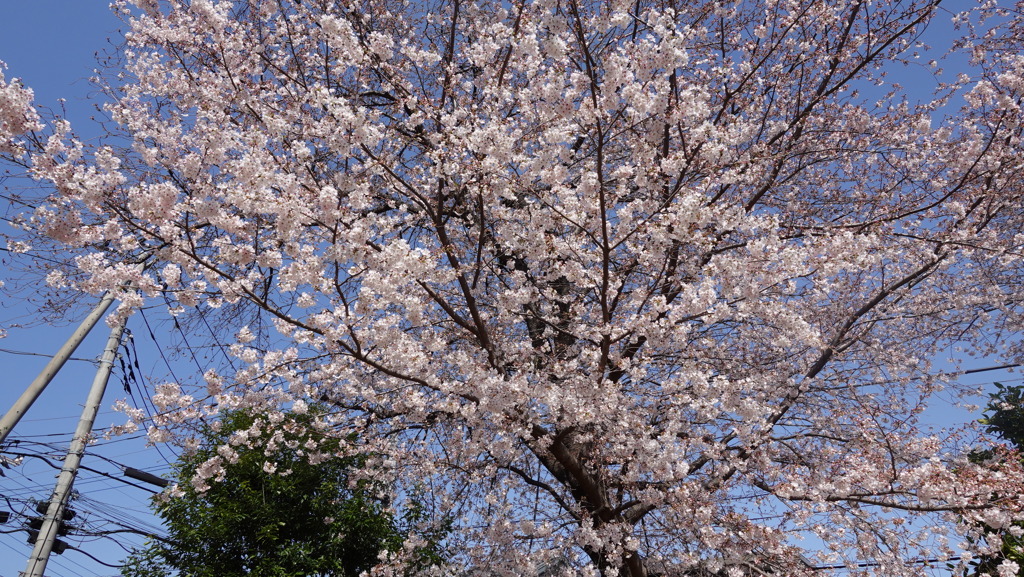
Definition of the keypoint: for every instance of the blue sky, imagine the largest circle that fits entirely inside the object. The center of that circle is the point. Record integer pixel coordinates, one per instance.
(52, 46)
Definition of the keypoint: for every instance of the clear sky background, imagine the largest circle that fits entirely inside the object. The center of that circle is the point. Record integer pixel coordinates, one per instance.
(52, 45)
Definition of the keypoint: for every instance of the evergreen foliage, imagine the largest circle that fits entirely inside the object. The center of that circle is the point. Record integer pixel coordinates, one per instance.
(274, 516)
(1004, 417)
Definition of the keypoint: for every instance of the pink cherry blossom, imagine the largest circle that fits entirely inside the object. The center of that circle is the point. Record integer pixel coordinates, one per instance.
(17, 116)
(624, 288)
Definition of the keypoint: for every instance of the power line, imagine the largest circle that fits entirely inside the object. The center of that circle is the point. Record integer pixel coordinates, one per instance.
(34, 354)
(147, 403)
(83, 552)
(83, 467)
(59, 449)
(986, 369)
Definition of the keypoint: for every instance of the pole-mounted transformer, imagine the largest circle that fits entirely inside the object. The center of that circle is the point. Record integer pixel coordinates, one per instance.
(35, 526)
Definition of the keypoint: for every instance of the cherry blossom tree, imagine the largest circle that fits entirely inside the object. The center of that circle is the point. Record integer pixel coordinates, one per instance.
(617, 287)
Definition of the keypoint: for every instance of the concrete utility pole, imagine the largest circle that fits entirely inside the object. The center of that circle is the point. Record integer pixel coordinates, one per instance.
(50, 370)
(58, 502)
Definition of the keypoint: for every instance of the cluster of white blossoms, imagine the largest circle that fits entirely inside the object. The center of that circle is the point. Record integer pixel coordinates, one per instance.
(621, 287)
(17, 116)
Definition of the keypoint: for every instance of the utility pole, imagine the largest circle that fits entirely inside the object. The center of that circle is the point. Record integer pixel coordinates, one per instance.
(50, 370)
(58, 502)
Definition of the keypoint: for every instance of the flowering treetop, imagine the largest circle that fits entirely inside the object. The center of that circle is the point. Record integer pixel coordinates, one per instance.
(624, 287)
(17, 116)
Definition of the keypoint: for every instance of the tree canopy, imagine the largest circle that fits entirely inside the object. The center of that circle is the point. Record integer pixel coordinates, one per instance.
(625, 287)
(274, 514)
(1004, 417)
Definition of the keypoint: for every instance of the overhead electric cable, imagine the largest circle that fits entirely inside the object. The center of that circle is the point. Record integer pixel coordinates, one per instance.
(89, 555)
(34, 354)
(986, 369)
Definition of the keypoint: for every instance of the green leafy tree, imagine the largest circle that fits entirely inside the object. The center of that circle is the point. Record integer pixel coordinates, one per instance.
(1004, 418)
(282, 517)
(1005, 414)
